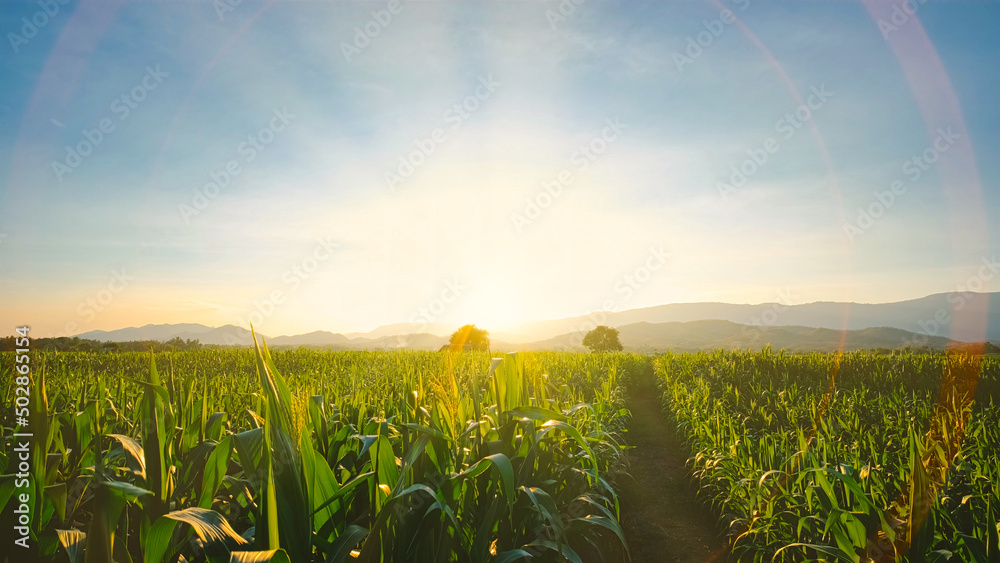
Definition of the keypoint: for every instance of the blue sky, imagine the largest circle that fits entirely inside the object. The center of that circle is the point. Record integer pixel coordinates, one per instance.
(319, 227)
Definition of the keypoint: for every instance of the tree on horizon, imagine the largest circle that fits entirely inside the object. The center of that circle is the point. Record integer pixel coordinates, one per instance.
(469, 338)
(603, 339)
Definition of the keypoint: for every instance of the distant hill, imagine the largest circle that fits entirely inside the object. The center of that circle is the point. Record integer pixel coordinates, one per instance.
(231, 335)
(637, 337)
(436, 329)
(712, 335)
(961, 313)
(395, 342)
(317, 338)
(161, 332)
(421, 341)
(228, 335)
(933, 321)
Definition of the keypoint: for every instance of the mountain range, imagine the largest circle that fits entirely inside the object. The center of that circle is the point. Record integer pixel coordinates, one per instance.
(936, 321)
(961, 316)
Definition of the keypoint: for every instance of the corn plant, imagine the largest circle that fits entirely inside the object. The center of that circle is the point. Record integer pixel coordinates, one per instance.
(855, 457)
(301, 455)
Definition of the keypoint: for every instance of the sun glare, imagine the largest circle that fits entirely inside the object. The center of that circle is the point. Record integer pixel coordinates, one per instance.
(494, 305)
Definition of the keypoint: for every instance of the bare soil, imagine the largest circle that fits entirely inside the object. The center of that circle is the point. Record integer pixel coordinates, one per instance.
(662, 520)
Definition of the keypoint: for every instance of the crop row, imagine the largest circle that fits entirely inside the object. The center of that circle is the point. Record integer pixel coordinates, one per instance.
(312, 456)
(856, 457)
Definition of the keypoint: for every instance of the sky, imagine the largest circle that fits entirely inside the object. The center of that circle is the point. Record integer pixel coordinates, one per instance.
(333, 165)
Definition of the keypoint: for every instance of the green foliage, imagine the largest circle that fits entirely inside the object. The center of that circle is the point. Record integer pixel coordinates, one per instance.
(245, 455)
(76, 344)
(299, 455)
(603, 339)
(855, 457)
(469, 338)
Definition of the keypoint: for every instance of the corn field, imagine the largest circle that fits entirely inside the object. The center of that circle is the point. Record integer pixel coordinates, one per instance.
(300, 455)
(245, 455)
(858, 457)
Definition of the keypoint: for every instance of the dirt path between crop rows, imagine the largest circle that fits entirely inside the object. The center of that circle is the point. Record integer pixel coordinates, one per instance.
(661, 518)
